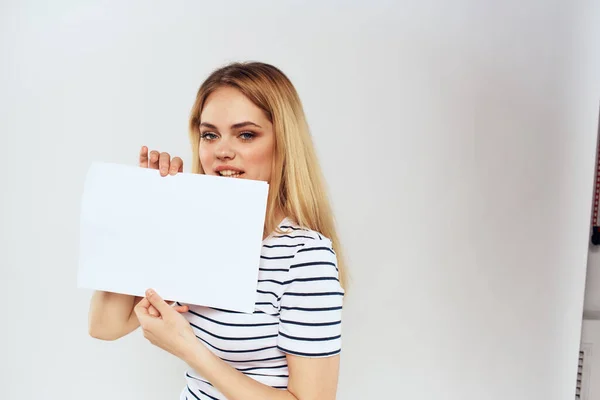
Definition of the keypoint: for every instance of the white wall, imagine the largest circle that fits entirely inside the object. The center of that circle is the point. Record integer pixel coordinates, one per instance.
(458, 140)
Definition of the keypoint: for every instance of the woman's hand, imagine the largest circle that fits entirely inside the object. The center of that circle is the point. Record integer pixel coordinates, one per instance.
(169, 330)
(161, 161)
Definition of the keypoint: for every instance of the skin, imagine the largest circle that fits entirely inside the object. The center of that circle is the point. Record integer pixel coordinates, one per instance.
(237, 135)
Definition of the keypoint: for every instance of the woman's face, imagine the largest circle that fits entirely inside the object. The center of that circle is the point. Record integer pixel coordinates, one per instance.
(236, 138)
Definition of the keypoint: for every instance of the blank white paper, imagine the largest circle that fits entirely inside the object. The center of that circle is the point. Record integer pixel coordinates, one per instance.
(193, 238)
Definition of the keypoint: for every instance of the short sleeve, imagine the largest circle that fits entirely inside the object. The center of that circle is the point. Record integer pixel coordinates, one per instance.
(311, 303)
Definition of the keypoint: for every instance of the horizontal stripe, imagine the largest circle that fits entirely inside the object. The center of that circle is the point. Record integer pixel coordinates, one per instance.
(232, 338)
(276, 257)
(249, 361)
(273, 269)
(252, 368)
(266, 303)
(312, 263)
(267, 292)
(331, 353)
(293, 228)
(236, 351)
(274, 376)
(305, 339)
(226, 311)
(311, 323)
(313, 294)
(320, 278)
(274, 246)
(294, 237)
(231, 323)
(311, 309)
(262, 312)
(271, 281)
(316, 249)
(239, 312)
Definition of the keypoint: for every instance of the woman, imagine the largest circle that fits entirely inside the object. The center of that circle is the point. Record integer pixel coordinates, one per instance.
(248, 123)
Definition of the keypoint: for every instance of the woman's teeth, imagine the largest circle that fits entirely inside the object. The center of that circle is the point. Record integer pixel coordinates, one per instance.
(232, 174)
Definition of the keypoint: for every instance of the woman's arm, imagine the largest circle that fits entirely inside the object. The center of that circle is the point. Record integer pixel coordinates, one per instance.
(111, 315)
(310, 378)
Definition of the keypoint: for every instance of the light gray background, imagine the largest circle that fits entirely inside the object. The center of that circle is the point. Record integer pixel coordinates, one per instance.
(457, 138)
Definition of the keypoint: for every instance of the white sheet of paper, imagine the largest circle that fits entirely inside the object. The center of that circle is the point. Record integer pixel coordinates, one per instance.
(193, 238)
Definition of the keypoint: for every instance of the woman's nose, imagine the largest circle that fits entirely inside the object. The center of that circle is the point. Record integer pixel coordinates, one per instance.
(224, 151)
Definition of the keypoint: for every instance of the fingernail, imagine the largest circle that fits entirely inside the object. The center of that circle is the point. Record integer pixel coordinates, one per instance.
(149, 292)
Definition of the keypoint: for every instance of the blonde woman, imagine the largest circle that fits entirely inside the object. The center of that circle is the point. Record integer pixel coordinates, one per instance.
(248, 123)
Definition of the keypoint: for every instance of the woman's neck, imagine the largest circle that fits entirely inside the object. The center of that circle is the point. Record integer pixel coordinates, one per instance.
(278, 215)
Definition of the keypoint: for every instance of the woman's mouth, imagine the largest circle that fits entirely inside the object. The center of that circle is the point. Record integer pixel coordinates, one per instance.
(230, 173)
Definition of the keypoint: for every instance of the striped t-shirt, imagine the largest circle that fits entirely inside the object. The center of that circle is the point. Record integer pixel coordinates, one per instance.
(298, 311)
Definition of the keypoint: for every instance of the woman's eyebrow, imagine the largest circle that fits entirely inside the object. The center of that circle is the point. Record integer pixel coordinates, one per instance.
(234, 126)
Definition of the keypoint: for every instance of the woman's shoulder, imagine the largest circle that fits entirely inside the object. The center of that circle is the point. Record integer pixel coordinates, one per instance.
(309, 253)
(307, 236)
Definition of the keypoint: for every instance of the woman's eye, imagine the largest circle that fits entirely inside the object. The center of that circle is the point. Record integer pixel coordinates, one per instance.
(208, 136)
(247, 135)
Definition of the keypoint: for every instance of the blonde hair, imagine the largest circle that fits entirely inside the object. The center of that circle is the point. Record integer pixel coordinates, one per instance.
(297, 186)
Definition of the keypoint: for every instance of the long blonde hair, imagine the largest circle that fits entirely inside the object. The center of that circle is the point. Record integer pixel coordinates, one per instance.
(297, 185)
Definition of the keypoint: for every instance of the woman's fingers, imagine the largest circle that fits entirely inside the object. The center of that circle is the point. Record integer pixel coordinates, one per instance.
(176, 166)
(153, 311)
(181, 309)
(161, 161)
(164, 163)
(144, 157)
(141, 308)
(153, 162)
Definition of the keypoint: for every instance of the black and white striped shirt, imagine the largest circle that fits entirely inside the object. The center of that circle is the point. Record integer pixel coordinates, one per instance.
(298, 311)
